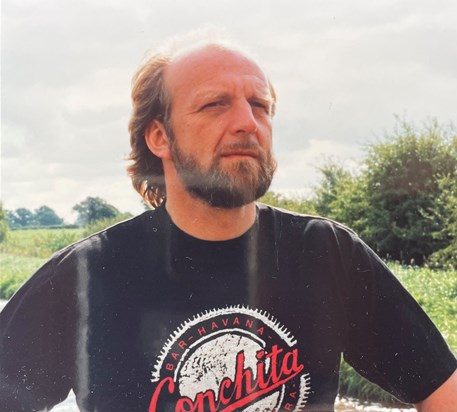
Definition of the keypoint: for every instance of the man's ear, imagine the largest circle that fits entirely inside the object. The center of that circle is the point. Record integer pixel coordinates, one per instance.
(157, 140)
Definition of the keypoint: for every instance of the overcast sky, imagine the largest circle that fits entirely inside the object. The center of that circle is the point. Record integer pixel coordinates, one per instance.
(341, 69)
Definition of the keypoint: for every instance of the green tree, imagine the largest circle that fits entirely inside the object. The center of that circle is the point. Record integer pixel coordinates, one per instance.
(23, 217)
(93, 209)
(341, 196)
(402, 175)
(3, 223)
(45, 216)
(12, 219)
(445, 212)
(299, 205)
(402, 201)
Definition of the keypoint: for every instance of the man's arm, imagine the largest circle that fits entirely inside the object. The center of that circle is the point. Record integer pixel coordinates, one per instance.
(444, 399)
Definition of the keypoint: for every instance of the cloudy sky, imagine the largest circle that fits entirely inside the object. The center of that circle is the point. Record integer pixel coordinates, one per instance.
(342, 71)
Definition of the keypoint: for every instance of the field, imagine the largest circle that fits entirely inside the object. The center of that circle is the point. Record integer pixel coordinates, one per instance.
(26, 250)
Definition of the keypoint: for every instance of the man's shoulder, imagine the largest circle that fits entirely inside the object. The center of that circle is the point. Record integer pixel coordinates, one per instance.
(124, 235)
(304, 222)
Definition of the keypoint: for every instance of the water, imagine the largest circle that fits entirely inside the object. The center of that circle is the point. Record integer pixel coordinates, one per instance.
(342, 405)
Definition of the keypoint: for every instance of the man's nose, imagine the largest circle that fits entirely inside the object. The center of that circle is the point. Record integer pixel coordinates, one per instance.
(243, 119)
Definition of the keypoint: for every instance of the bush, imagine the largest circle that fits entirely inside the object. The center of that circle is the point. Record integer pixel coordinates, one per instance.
(445, 212)
(102, 224)
(3, 224)
(299, 205)
(403, 200)
(402, 184)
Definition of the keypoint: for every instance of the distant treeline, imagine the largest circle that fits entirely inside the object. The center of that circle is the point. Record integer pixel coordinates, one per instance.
(51, 227)
(89, 211)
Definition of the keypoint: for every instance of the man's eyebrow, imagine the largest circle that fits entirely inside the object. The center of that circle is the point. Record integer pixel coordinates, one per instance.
(211, 94)
(267, 97)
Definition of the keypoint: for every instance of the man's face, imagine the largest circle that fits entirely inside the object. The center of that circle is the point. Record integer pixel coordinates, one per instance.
(221, 127)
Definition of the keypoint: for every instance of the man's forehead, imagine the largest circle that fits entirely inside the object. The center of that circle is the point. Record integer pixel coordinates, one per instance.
(203, 63)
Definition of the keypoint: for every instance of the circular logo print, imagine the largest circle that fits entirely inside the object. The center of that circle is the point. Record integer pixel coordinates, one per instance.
(231, 359)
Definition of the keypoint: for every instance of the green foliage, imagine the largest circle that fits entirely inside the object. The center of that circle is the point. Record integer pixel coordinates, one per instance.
(92, 209)
(334, 178)
(15, 271)
(45, 216)
(403, 200)
(3, 224)
(445, 212)
(23, 218)
(341, 197)
(402, 175)
(298, 205)
(102, 224)
(40, 243)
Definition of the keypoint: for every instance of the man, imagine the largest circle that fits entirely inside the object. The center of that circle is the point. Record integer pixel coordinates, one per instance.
(212, 302)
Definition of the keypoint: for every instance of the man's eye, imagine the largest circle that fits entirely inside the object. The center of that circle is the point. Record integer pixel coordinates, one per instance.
(213, 104)
(261, 105)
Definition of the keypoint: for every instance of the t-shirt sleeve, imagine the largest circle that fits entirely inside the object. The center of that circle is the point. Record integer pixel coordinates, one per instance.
(391, 341)
(36, 328)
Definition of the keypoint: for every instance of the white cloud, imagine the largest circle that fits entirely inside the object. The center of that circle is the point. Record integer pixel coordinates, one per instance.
(341, 70)
(299, 169)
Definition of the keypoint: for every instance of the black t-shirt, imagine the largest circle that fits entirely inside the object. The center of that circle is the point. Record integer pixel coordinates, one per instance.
(143, 317)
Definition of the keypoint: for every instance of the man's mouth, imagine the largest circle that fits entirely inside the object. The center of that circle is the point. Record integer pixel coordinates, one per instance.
(241, 154)
(234, 152)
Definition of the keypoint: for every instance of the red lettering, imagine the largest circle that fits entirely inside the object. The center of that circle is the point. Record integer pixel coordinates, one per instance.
(290, 363)
(236, 321)
(200, 402)
(184, 404)
(157, 391)
(273, 356)
(262, 382)
(169, 367)
(182, 344)
(236, 394)
(175, 356)
(249, 323)
(214, 326)
(243, 377)
(225, 384)
(260, 331)
(225, 321)
(202, 331)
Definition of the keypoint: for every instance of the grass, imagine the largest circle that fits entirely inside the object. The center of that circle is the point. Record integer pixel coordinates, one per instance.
(15, 270)
(39, 242)
(435, 290)
(24, 251)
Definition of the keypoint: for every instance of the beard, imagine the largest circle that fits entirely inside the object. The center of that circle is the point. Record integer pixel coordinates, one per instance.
(239, 183)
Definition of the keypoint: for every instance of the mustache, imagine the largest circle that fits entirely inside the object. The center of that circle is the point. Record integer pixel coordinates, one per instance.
(243, 148)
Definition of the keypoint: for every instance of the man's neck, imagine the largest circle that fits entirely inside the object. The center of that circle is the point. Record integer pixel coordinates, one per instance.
(203, 221)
